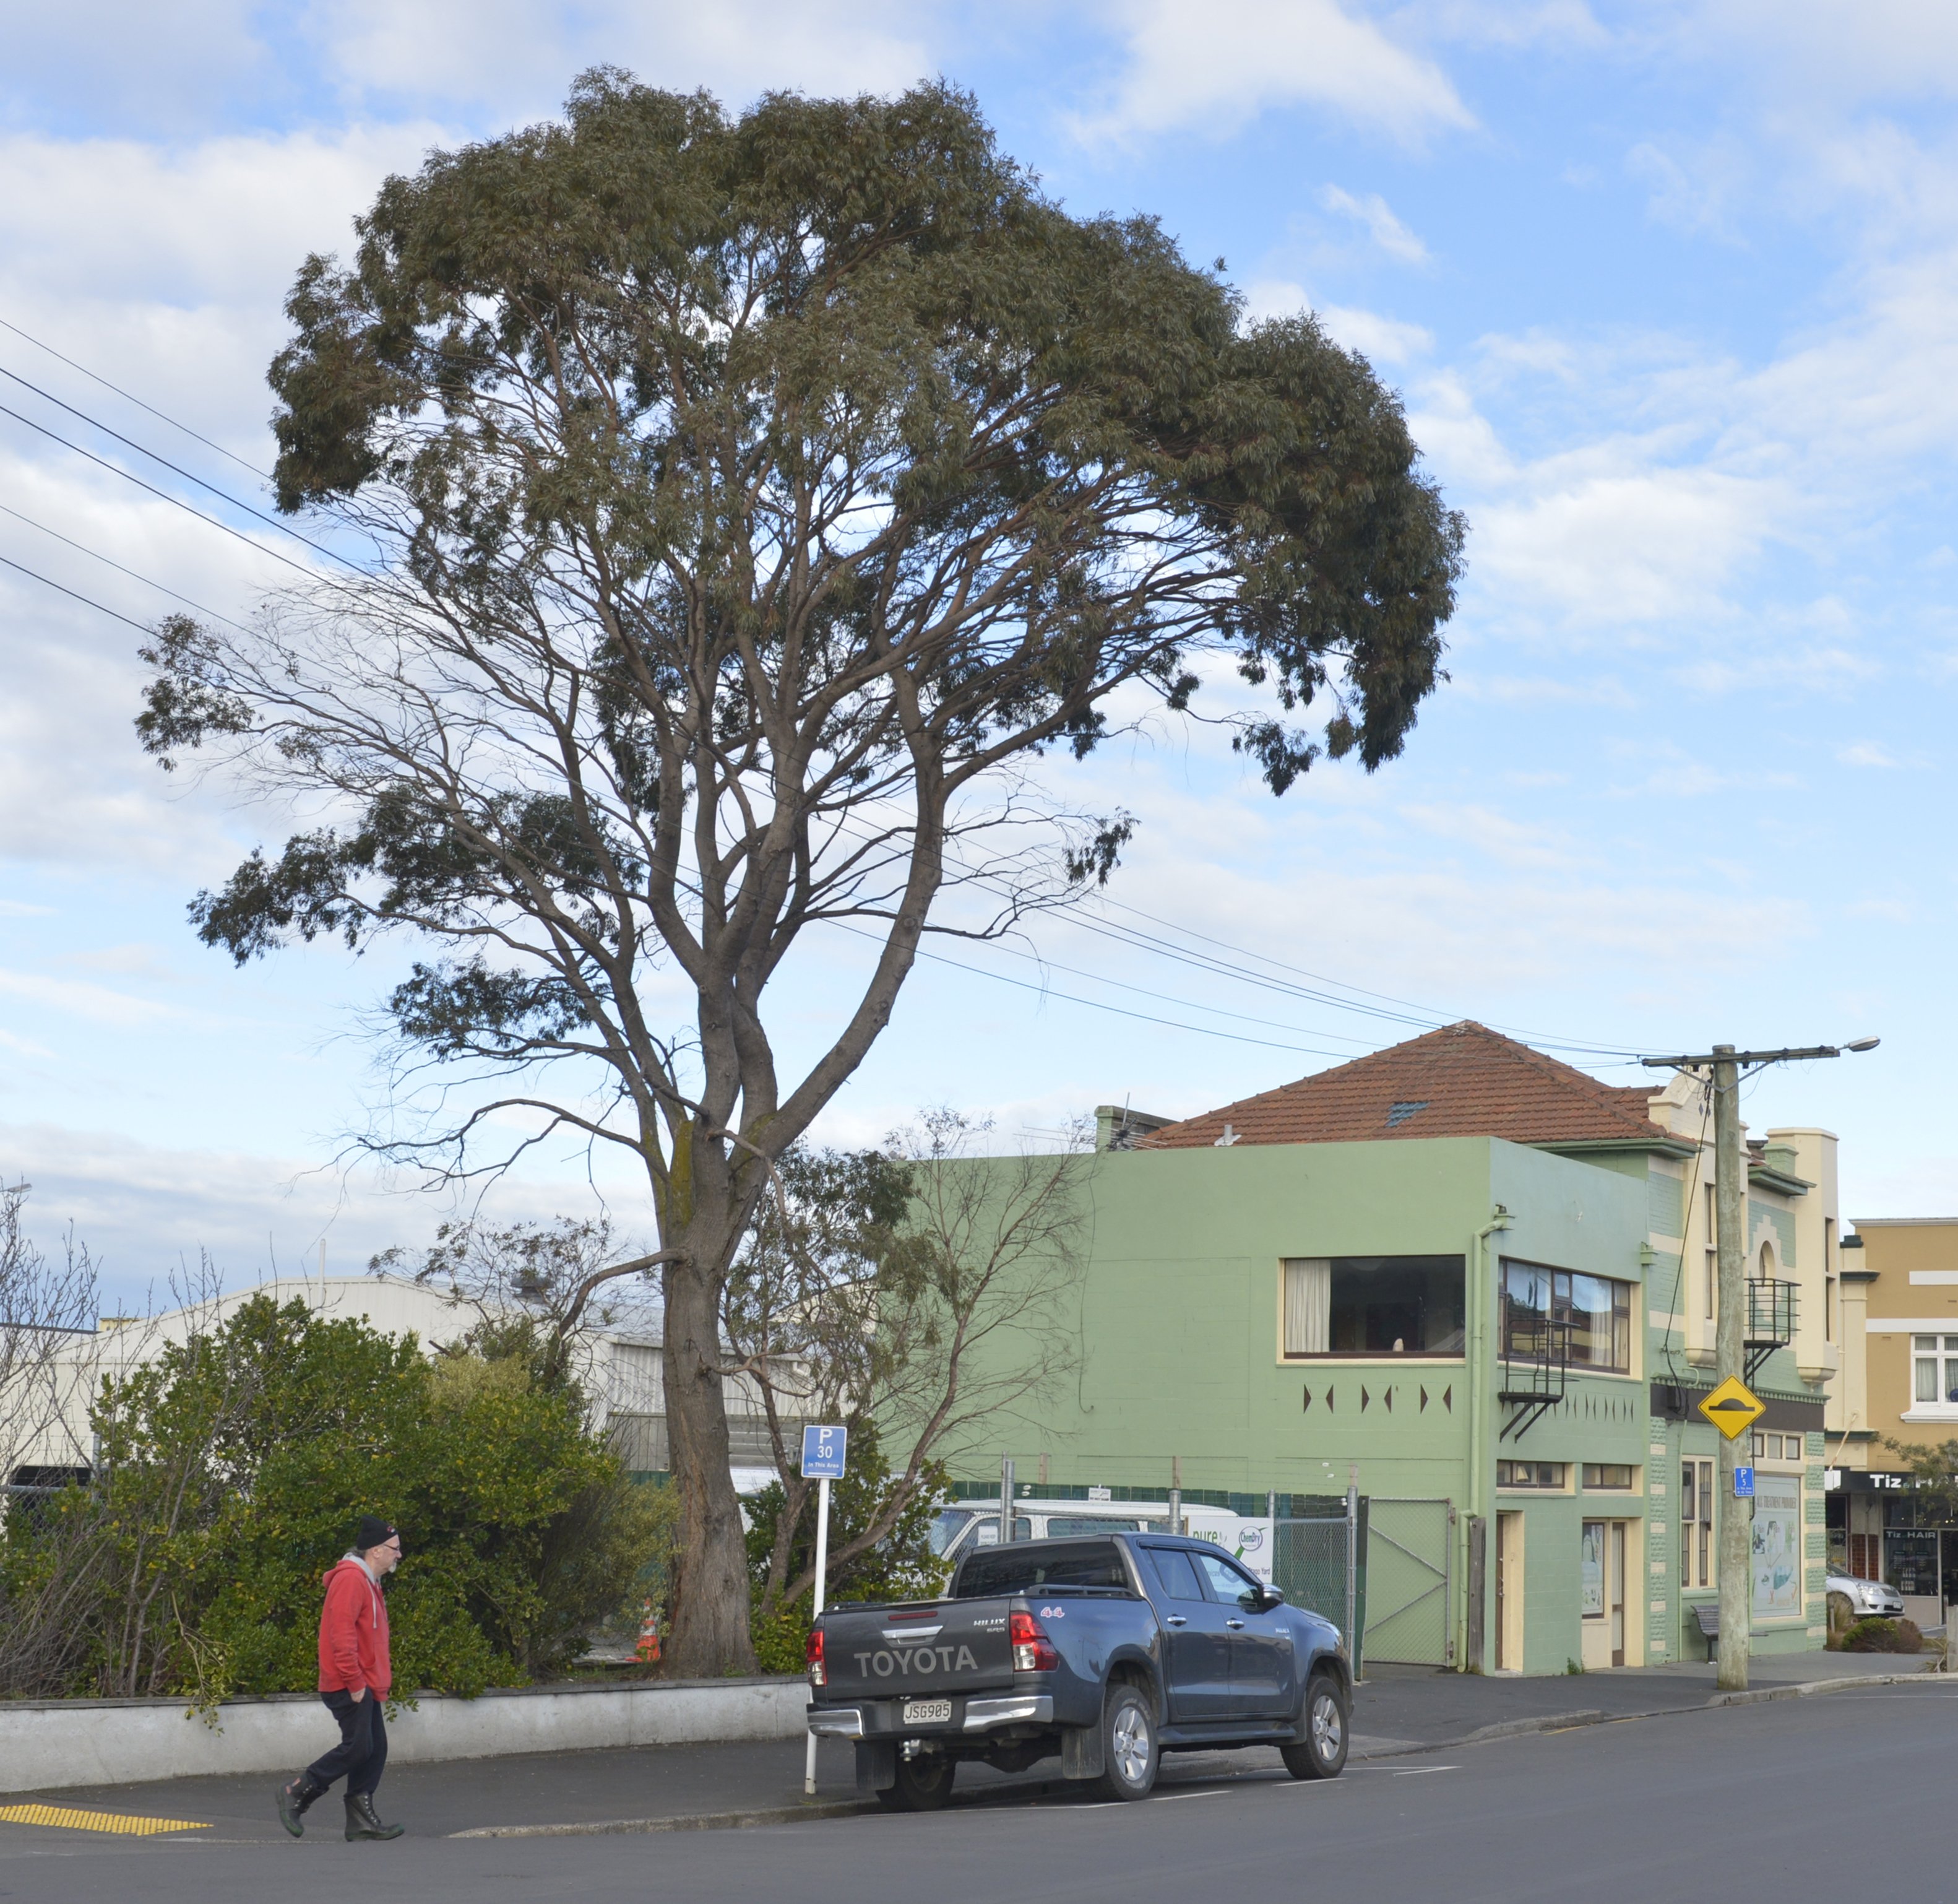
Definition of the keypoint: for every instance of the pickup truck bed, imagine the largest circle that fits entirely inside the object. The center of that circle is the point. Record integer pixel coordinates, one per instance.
(1107, 1651)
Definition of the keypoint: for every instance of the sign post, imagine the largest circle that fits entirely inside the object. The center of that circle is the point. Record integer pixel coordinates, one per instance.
(824, 1451)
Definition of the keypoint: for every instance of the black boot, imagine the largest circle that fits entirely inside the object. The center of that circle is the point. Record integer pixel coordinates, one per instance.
(363, 1821)
(293, 1800)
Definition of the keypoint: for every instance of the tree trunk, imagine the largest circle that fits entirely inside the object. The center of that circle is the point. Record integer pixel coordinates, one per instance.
(708, 1618)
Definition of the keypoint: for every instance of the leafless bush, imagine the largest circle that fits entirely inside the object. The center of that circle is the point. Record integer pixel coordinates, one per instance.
(927, 1287)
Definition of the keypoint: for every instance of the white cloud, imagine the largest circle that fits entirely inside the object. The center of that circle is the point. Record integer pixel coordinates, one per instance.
(1510, 842)
(78, 998)
(1385, 230)
(1220, 63)
(1863, 754)
(510, 56)
(1380, 339)
(1628, 545)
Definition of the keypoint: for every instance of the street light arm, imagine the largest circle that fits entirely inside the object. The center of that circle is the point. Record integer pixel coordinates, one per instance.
(1700, 1061)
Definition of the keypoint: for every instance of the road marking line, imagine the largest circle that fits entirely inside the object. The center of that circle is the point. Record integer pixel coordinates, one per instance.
(1416, 1771)
(1170, 1797)
(66, 1819)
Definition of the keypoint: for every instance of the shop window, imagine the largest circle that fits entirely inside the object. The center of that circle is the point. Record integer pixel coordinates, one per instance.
(1597, 1310)
(1936, 1375)
(1355, 1305)
(1910, 1561)
(1551, 1474)
(1607, 1475)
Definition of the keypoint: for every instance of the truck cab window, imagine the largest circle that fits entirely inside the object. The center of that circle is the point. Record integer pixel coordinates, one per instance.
(1226, 1585)
(1174, 1574)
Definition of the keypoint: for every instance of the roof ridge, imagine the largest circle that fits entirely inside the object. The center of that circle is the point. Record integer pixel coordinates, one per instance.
(1545, 1100)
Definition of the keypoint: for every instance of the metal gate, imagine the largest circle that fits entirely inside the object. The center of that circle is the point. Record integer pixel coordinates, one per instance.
(1410, 1589)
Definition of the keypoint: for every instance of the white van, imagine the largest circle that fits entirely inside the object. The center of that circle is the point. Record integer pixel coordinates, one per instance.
(961, 1526)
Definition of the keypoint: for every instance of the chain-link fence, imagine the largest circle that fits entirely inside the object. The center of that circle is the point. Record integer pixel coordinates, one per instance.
(1314, 1546)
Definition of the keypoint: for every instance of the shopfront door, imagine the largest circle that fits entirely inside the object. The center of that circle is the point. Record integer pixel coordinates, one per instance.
(1509, 1593)
(1615, 1588)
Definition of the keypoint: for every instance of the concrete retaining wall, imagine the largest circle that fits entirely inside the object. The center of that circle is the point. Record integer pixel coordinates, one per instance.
(47, 1744)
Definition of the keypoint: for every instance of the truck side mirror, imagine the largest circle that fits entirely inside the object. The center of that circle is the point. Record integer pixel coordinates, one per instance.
(1268, 1597)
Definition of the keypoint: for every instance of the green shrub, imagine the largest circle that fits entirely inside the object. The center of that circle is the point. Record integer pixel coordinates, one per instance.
(1875, 1635)
(233, 1469)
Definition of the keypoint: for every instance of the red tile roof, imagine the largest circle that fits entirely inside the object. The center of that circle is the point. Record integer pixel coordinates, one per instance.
(1463, 1080)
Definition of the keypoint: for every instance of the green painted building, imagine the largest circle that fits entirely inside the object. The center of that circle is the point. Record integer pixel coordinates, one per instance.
(1476, 1282)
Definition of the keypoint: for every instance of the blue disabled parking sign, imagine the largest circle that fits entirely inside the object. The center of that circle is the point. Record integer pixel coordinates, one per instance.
(1744, 1483)
(822, 1453)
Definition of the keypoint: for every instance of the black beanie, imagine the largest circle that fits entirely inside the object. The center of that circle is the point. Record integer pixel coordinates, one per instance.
(373, 1532)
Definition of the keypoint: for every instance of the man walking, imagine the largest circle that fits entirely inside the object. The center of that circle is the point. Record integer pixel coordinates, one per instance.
(354, 1676)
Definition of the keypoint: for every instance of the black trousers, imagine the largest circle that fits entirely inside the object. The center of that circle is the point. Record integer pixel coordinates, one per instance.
(362, 1753)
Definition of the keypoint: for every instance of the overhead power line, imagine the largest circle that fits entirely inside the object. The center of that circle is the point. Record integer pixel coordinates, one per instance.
(76, 594)
(130, 397)
(1386, 1007)
(176, 501)
(148, 581)
(176, 469)
(1097, 1004)
(1416, 1017)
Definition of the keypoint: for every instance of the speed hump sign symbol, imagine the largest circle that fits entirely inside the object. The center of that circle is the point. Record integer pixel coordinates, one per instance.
(1733, 1407)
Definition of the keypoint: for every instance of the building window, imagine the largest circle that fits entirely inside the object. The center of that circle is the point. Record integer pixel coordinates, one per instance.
(1597, 1309)
(1696, 1523)
(1828, 1279)
(1607, 1475)
(1356, 1305)
(1934, 1384)
(1713, 1250)
(1532, 1474)
(1780, 1447)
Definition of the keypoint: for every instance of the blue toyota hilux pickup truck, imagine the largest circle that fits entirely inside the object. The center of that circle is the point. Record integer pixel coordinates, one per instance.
(1109, 1651)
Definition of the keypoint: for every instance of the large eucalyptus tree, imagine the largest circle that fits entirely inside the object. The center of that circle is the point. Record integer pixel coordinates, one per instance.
(756, 497)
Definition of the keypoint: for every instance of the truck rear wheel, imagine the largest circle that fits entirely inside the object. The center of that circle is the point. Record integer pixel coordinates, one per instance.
(1320, 1751)
(1130, 1750)
(923, 1784)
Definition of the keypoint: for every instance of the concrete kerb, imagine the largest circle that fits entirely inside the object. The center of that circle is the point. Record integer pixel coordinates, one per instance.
(45, 1745)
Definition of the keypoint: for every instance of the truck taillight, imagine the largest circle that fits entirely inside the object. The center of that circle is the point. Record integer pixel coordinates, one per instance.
(1033, 1651)
(818, 1674)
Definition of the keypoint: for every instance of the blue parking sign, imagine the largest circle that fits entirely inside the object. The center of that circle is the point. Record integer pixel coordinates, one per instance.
(822, 1453)
(1743, 1483)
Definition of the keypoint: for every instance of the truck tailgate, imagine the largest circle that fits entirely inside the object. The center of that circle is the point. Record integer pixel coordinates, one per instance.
(953, 1647)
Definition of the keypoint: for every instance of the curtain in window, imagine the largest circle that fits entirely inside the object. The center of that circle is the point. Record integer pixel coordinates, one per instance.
(1308, 1305)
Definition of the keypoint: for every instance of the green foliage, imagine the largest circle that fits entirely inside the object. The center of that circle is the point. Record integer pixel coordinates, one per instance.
(901, 1566)
(235, 1463)
(1876, 1635)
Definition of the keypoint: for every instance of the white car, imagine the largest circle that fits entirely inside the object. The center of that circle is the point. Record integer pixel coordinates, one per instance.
(1865, 1596)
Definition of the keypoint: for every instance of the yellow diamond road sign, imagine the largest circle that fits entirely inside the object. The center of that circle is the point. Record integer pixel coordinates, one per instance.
(1733, 1407)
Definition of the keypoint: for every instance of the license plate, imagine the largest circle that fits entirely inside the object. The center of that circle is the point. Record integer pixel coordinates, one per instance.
(927, 1712)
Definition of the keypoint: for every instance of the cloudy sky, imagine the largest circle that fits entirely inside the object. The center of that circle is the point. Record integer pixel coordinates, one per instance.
(1670, 288)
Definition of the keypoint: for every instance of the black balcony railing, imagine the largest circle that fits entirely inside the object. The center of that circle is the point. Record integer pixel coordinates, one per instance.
(1770, 1321)
(1536, 1371)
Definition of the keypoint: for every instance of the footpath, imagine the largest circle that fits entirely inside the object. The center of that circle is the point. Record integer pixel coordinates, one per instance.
(1398, 1710)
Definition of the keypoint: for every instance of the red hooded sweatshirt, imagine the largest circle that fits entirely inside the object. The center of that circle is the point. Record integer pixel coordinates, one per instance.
(353, 1632)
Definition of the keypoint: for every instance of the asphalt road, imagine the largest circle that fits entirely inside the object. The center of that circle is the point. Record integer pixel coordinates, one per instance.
(1743, 1801)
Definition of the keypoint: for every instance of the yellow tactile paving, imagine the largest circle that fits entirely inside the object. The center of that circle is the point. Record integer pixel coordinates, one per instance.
(121, 1821)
